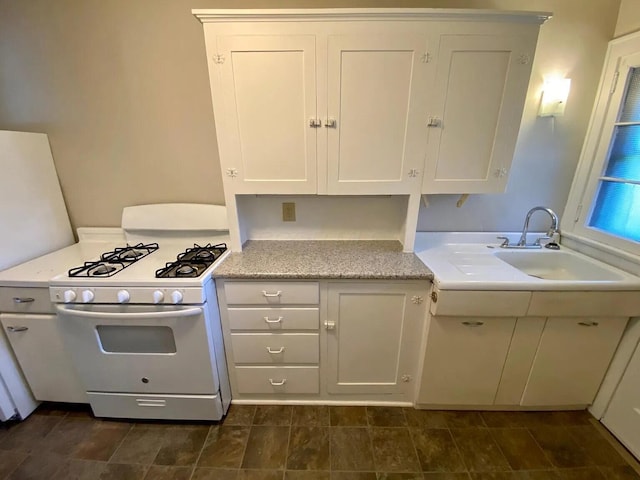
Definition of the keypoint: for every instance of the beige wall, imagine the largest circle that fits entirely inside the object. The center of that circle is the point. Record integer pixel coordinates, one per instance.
(121, 87)
(628, 18)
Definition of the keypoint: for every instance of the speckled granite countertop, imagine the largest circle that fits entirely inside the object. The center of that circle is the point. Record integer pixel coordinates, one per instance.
(358, 259)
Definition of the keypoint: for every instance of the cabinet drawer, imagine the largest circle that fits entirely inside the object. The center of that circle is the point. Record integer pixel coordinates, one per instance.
(157, 407)
(271, 293)
(277, 379)
(275, 347)
(273, 318)
(25, 300)
(479, 303)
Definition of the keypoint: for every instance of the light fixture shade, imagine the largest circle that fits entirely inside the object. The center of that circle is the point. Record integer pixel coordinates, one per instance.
(554, 97)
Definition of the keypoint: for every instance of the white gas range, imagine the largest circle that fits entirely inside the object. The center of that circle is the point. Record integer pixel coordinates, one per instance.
(141, 320)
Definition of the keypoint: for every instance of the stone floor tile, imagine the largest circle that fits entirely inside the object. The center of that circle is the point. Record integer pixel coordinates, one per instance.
(400, 476)
(121, 471)
(157, 472)
(521, 475)
(560, 448)
(308, 448)
(425, 418)
(36, 467)
(520, 449)
(259, 474)
(463, 419)
(239, 415)
(310, 415)
(224, 447)
(437, 452)
(353, 476)
(182, 446)
(306, 475)
(621, 472)
(587, 473)
(101, 441)
(597, 447)
(266, 448)
(276, 415)
(386, 417)
(27, 436)
(140, 445)
(9, 461)
(446, 476)
(393, 450)
(506, 419)
(351, 449)
(201, 473)
(479, 450)
(348, 416)
(79, 470)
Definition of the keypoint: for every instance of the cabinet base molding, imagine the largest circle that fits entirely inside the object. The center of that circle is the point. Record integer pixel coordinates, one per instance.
(332, 403)
(503, 408)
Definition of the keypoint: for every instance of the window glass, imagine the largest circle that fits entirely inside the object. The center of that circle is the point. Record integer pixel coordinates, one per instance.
(624, 159)
(631, 103)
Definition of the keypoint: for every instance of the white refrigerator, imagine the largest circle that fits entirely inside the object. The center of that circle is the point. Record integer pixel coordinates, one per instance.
(33, 222)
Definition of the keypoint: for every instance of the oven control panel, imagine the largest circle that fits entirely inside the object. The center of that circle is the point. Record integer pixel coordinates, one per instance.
(134, 295)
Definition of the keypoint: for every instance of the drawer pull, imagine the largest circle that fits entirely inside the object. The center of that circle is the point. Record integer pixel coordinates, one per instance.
(23, 300)
(17, 329)
(277, 384)
(146, 402)
(270, 295)
(588, 324)
(277, 320)
(473, 324)
(275, 351)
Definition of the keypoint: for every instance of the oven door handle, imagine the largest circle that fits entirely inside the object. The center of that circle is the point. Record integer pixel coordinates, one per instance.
(187, 312)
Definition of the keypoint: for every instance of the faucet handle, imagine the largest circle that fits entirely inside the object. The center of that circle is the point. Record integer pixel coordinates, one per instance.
(539, 239)
(505, 241)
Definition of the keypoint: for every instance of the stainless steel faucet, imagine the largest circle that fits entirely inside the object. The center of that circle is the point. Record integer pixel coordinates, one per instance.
(555, 225)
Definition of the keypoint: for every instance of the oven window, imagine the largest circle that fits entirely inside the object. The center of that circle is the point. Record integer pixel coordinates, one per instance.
(136, 339)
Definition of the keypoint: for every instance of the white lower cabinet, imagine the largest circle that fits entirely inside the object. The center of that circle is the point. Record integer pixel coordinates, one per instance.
(323, 340)
(526, 362)
(373, 336)
(464, 359)
(573, 355)
(38, 346)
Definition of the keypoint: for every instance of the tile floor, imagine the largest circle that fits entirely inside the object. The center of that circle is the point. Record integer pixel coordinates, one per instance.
(313, 443)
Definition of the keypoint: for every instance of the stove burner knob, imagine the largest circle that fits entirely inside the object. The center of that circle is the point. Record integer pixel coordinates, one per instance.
(158, 296)
(176, 296)
(123, 296)
(69, 296)
(87, 296)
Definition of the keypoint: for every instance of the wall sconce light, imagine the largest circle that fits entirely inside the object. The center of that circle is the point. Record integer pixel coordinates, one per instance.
(554, 97)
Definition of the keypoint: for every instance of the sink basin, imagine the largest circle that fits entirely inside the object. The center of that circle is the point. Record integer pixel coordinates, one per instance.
(549, 265)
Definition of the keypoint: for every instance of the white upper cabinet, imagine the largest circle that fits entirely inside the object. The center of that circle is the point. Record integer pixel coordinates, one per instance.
(477, 102)
(368, 101)
(376, 113)
(265, 98)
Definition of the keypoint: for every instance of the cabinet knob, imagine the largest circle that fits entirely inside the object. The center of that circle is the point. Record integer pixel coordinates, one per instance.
(434, 297)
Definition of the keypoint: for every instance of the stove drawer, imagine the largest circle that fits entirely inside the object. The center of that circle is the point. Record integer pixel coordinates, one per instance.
(158, 407)
(25, 300)
(271, 293)
(275, 348)
(279, 380)
(273, 318)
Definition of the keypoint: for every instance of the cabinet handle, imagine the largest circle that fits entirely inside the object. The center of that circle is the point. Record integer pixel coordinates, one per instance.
(17, 329)
(269, 295)
(434, 297)
(23, 300)
(473, 324)
(275, 351)
(315, 122)
(330, 123)
(329, 325)
(277, 384)
(588, 324)
(277, 320)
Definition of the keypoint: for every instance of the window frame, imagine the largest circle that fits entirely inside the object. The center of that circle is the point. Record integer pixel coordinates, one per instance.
(622, 56)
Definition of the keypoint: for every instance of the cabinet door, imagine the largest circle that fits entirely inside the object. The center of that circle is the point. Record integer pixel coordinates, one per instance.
(38, 346)
(572, 358)
(373, 336)
(464, 359)
(623, 414)
(480, 89)
(377, 89)
(264, 92)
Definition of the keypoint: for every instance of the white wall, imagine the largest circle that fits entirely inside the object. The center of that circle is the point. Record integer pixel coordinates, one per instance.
(628, 18)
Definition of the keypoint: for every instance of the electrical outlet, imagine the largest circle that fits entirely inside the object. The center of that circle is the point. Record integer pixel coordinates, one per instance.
(288, 212)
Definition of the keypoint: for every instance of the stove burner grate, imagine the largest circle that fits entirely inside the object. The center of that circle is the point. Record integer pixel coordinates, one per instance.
(112, 262)
(192, 262)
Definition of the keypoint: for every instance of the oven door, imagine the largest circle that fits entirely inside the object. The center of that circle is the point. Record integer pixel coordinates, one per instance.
(141, 348)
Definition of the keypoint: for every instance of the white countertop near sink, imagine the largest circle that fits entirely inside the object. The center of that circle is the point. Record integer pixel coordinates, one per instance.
(466, 261)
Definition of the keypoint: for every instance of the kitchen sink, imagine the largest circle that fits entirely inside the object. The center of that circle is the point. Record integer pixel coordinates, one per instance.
(551, 265)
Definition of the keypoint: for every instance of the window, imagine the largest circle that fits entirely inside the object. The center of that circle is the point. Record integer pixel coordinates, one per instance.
(605, 195)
